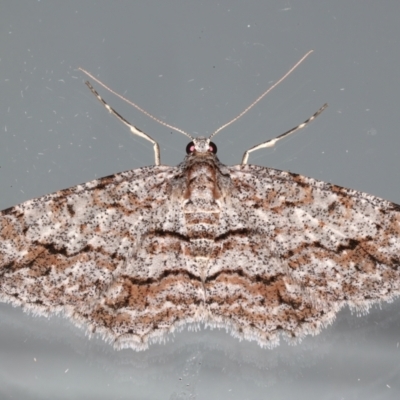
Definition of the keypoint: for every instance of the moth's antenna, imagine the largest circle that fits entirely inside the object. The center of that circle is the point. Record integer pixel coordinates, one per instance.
(262, 96)
(135, 105)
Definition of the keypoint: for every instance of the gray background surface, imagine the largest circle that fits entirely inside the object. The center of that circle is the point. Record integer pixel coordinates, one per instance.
(196, 64)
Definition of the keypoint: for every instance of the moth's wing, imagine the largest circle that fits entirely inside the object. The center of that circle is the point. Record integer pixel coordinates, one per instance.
(79, 251)
(298, 250)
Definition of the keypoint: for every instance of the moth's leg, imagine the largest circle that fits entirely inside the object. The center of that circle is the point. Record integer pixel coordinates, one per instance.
(136, 131)
(271, 142)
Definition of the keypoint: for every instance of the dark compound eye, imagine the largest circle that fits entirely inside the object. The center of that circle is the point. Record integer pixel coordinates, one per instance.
(190, 148)
(213, 148)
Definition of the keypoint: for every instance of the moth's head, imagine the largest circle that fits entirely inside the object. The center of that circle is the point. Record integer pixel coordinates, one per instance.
(201, 145)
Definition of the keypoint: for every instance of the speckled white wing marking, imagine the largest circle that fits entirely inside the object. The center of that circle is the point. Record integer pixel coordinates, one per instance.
(258, 251)
(76, 251)
(301, 249)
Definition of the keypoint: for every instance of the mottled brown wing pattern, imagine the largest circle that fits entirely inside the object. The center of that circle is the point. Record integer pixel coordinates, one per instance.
(258, 251)
(82, 251)
(307, 248)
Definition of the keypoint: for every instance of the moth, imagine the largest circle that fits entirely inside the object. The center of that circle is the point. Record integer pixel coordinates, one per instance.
(258, 251)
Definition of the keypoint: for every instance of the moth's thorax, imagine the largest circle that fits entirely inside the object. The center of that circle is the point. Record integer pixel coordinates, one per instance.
(201, 184)
(202, 195)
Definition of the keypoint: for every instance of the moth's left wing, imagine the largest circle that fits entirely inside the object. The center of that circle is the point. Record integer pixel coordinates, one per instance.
(60, 252)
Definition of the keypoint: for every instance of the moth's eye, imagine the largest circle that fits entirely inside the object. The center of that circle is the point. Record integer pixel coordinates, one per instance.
(213, 148)
(190, 148)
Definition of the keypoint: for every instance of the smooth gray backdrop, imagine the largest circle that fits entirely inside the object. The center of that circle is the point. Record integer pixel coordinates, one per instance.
(196, 64)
